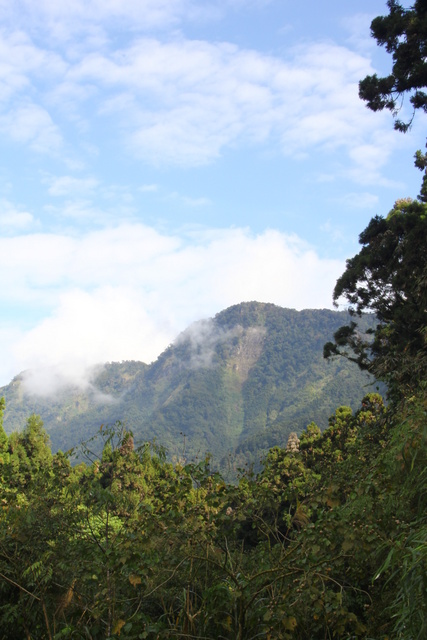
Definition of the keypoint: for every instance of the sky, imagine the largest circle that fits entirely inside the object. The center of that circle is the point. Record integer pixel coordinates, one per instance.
(162, 160)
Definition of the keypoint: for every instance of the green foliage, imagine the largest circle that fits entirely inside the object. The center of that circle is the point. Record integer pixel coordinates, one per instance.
(387, 277)
(403, 32)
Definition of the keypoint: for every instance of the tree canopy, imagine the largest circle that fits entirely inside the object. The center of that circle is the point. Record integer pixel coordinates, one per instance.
(388, 277)
(404, 34)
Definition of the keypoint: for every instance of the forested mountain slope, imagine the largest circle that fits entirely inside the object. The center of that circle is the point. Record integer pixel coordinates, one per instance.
(234, 385)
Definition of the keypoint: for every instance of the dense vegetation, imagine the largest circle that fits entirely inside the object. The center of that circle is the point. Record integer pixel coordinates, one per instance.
(328, 540)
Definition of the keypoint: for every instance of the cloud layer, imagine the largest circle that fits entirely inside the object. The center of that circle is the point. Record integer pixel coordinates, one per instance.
(126, 292)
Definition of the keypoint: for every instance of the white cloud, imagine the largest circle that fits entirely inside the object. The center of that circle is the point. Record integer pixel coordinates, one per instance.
(126, 292)
(13, 219)
(333, 232)
(203, 336)
(196, 202)
(64, 19)
(10, 336)
(23, 66)
(20, 57)
(188, 201)
(86, 203)
(70, 186)
(358, 28)
(185, 101)
(359, 200)
(85, 329)
(32, 125)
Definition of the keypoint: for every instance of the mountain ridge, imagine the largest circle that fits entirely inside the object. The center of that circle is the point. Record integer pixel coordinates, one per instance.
(235, 384)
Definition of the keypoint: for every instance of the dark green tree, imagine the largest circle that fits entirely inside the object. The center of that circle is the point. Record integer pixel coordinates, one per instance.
(388, 278)
(3, 436)
(404, 35)
(28, 454)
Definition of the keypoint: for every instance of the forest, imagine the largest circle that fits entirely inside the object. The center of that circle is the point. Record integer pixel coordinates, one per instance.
(328, 540)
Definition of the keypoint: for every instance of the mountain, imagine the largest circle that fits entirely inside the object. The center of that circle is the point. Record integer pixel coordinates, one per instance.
(234, 385)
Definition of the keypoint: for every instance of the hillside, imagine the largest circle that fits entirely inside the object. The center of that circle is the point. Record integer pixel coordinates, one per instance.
(234, 385)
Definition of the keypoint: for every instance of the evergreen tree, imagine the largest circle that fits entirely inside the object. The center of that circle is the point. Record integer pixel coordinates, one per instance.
(388, 277)
(403, 32)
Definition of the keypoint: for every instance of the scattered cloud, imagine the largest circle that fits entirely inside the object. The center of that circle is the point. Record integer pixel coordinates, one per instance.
(179, 102)
(21, 59)
(25, 66)
(359, 200)
(188, 201)
(196, 202)
(63, 19)
(32, 125)
(66, 18)
(148, 188)
(325, 177)
(13, 219)
(184, 102)
(358, 29)
(70, 186)
(86, 202)
(79, 212)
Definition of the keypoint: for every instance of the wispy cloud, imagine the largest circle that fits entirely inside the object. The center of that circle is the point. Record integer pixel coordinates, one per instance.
(176, 101)
(184, 102)
(32, 125)
(359, 200)
(70, 186)
(358, 28)
(62, 20)
(66, 18)
(188, 200)
(12, 218)
(148, 188)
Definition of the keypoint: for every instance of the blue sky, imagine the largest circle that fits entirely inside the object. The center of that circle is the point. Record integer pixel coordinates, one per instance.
(164, 159)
